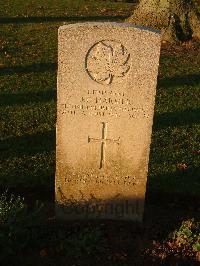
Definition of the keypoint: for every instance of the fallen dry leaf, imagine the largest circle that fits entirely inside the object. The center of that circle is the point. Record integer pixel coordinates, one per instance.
(43, 253)
(182, 166)
(198, 256)
(196, 152)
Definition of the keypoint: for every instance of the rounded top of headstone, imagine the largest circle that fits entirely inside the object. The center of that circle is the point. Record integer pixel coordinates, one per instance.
(110, 24)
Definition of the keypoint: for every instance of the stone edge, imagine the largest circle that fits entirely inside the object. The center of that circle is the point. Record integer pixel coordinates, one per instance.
(110, 24)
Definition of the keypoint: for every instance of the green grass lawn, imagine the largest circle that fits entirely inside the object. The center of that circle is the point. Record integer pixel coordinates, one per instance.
(28, 63)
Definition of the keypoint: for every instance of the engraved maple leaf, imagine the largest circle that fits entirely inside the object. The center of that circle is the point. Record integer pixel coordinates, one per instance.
(107, 61)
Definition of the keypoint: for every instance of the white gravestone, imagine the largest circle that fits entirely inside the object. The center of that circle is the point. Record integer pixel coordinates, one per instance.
(107, 74)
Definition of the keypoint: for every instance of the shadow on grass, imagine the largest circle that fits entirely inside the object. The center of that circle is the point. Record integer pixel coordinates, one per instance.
(41, 67)
(28, 144)
(186, 117)
(27, 98)
(166, 208)
(43, 19)
(189, 80)
(176, 188)
(35, 179)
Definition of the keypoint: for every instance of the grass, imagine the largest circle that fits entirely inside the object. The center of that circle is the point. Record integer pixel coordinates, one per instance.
(27, 237)
(22, 230)
(48, 10)
(176, 125)
(28, 63)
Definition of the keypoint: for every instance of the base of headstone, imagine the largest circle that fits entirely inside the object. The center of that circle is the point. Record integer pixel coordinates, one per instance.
(114, 210)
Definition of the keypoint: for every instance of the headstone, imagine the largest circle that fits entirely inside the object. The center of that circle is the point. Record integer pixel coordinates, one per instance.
(107, 75)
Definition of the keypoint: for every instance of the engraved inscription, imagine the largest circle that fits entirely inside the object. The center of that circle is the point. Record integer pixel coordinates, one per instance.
(103, 141)
(105, 103)
(103, 179)
(107, 61)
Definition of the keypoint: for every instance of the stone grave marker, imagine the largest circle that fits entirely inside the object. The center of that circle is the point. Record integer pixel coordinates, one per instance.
(107, 74)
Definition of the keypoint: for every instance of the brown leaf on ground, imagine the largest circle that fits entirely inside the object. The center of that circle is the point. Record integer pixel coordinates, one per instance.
(196, 152)
(2, 66)
(43, 253)
(198, 256)
(187, 44)
(182, 166)
(118, 256)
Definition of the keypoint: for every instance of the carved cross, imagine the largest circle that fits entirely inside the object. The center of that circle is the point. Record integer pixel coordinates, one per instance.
(103, 142)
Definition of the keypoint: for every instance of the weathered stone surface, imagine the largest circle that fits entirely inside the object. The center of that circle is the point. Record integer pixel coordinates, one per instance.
(107, 76)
